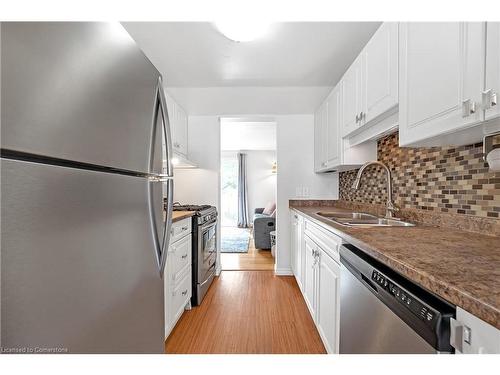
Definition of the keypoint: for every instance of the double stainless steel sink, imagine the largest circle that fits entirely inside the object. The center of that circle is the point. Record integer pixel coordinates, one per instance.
(361, 219)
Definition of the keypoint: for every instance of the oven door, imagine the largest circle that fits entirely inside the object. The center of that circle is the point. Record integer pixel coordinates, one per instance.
(207, 251)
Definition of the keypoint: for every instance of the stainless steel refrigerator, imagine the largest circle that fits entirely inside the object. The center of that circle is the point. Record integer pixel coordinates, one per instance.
(83, 227)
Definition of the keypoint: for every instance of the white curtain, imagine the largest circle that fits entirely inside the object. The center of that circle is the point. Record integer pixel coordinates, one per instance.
(242, 191)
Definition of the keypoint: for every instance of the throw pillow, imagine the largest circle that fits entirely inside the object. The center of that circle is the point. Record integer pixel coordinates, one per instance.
(269, 208)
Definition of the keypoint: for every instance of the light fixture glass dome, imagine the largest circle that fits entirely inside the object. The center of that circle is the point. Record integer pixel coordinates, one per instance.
(242, 31)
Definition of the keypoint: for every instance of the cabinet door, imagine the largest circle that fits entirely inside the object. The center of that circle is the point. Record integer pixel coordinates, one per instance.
(333, 139)
(310, 276)
(293, 241)
(471, 335)
(317, 141)
(352, 99)
(182, 131)
(321, 136)
(328, 298)
(492, 86)
(300, 252)
(381, 71)
(441, 77)
(178, 125)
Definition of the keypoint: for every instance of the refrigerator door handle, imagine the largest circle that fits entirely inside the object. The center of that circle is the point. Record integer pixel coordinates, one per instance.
(168, 173)
(166, 129)
(159, 178)
(168, 224)
(161, 243)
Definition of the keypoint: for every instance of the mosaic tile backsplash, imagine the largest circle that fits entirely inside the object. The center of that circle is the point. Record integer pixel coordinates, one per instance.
(455, 180)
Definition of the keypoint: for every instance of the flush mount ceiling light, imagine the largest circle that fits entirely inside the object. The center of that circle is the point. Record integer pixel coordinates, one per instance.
(242, 31)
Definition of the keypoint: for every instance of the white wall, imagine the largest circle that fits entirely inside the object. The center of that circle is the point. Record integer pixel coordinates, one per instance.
(295, 156)
(223, 101)
(200, 185)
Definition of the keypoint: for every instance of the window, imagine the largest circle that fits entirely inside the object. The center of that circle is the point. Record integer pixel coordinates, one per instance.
(229, 190)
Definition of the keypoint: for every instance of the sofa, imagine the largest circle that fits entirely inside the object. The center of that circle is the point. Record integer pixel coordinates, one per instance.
(263, 224)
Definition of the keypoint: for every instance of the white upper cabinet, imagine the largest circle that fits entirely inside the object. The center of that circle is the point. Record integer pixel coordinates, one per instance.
(320, 136)
(331, 151)
(441, 78)
(370, 85)
(333, 140)
(352, 96)
(491, 94)
(380, 77)
(178, 126)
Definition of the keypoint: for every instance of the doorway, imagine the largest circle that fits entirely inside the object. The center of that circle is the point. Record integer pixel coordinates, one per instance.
(248, 193)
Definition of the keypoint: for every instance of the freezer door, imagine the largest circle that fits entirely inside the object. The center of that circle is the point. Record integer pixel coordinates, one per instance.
(78, 91)
(79, 271)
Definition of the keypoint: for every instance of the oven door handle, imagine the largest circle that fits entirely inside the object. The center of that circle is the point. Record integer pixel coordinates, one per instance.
(209, 225)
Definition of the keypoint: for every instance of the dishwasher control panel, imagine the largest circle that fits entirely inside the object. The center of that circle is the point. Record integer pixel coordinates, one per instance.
(406, 299)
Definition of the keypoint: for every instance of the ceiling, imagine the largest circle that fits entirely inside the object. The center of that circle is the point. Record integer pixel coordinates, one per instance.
(247, 135)
(300, 54)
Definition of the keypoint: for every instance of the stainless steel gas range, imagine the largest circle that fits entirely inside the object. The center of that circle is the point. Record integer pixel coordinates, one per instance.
(204, 248)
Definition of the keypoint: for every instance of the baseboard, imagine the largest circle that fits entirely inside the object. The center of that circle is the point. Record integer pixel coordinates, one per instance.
(283, 272)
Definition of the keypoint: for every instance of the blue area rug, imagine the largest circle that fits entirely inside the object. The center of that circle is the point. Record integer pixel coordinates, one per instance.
(234, 240)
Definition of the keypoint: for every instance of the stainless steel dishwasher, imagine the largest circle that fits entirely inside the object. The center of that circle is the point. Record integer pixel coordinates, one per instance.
(383, 312)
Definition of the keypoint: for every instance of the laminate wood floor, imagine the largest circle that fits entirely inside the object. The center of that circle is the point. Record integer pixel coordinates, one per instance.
(254, 259)
(248, 312)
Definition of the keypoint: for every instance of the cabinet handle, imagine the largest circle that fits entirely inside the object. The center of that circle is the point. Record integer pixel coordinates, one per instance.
(323, 164)
(468, 108)
(357, 119)
(489, 99)
(184, 228)
(185, 292)
(184, 256)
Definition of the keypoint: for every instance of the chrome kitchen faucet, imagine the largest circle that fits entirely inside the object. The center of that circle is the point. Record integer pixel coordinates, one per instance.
(390, 208)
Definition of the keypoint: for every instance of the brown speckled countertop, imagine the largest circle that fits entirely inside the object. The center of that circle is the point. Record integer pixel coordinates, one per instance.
(461, 267)
(179, 215)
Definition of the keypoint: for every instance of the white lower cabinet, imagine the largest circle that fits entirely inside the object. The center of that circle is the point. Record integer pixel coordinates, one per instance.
(319, 277)
(320, 280)
(177, 277)
(296, 246)
(471, 335)
(310, 275)
(327, 314)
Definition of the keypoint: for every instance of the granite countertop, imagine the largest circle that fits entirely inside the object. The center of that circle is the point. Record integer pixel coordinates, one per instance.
(179, 215)
(461, 267)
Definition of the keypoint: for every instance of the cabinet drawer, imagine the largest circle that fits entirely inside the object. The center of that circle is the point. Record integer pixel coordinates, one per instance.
(181, 294)
(179, 256)
(180, 229)
(328, 241)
